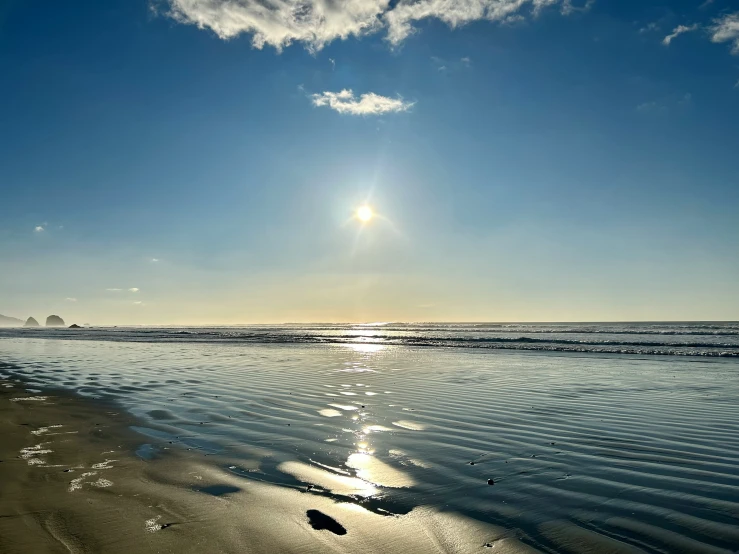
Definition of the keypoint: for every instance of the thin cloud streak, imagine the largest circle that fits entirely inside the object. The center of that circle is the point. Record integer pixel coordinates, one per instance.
(677, 31)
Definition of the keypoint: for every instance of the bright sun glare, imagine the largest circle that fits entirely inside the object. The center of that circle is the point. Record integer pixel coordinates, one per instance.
(364, 213)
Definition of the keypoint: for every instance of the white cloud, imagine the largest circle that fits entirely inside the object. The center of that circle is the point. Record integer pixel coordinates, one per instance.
(653, 26)
(345, 102)
(133, 289)
(726, 29)
(315, 23)
(401, 18)
(154, 260)
(70, 299)
(39, 229)
(114, 290)
(677, 31)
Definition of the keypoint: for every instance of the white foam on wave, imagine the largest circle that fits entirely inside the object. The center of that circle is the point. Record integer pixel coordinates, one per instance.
(44, 430)
(76, 484)
(31, 453)
(153, 525)
(30, 399)
(102, 483)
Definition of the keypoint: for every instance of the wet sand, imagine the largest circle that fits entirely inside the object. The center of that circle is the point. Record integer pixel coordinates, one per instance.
(71, 481)
(281, 448)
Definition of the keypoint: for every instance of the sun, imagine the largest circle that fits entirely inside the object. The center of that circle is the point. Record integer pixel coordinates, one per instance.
(364, 213)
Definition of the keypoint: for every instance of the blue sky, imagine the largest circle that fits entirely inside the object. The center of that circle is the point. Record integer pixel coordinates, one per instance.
(527, 160)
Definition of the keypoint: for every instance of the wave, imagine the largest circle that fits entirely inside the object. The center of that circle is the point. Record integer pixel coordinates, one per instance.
(438, 336)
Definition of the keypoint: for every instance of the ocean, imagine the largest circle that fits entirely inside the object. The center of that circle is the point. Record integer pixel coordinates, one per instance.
(628, 432)
(714, 339)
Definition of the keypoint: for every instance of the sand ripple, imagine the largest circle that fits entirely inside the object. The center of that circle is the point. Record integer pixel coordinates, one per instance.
(587, 453)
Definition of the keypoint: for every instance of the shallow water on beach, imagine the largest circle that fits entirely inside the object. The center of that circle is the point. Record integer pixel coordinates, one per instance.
(577, 448)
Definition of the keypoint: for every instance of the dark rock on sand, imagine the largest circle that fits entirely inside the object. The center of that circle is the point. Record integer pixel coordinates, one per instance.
(75, 326)
(491, 482)
(319, 520)
(31, 322)
(54, 321)
(218, 490)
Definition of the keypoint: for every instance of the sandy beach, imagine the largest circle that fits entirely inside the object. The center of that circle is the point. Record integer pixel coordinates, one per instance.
(71, 481)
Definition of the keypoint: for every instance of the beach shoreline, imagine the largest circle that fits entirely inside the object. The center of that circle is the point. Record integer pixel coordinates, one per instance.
(71, 481)
(310, 448)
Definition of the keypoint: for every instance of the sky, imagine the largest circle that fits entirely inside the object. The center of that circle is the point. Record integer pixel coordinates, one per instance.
(202, 161)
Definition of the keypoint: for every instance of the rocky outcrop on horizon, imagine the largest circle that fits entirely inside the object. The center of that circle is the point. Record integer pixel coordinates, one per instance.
(75, 326)
(7, 321)
(31, 322)
(55, 321)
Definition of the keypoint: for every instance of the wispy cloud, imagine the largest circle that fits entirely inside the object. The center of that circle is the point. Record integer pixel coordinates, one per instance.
(114, 290)
(650, 27)
(68, 299)
(726, 29)
(133, 289)
(651, 107)
(677, 31)
(345, 102)
(451, 65)
(315, 23)
(139, 303)
(438, 63)
(39, 229)
(672, 103)
(154, 260)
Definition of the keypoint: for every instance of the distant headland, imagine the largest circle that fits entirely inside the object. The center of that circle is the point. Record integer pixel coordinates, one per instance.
(51, 321)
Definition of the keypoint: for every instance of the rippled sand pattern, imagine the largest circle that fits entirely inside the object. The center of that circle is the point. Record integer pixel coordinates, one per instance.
(590, 453)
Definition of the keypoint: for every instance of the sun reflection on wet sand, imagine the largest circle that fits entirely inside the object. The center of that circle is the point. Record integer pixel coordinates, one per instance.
(378, 472)
(369, 348)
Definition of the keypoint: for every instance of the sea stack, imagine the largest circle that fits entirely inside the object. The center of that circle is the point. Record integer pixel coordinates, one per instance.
(31, 322)
(54, 321)
(75, 326)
